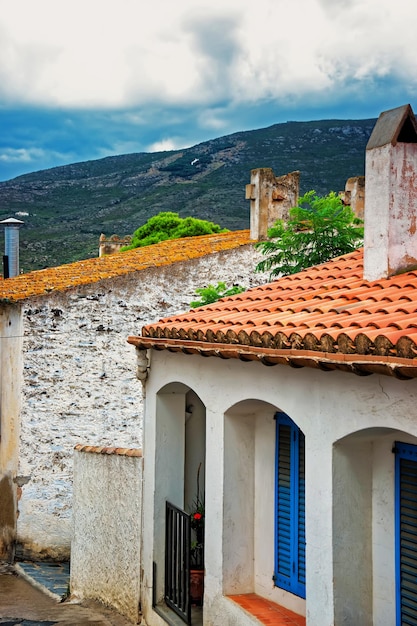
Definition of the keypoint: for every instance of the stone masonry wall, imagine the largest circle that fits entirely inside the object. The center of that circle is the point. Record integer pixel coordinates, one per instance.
(79, 379)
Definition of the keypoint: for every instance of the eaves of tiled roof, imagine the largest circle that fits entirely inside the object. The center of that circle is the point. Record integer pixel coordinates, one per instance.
(326, 317)
(64, 277)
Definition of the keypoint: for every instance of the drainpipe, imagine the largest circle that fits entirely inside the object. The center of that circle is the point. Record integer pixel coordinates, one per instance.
(11, 241)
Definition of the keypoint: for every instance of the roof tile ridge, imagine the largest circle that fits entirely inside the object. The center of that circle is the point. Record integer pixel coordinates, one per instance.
(132, 452)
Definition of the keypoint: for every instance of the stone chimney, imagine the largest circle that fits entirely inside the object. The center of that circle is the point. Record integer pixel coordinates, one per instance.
(111, 245)
(354, 195)
(390, 243)
(271, 198)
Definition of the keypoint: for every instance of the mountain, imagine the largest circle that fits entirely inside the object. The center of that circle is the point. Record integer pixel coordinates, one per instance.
(68, 207)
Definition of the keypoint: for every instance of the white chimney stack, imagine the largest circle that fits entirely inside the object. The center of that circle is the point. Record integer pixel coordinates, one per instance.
(390, 242)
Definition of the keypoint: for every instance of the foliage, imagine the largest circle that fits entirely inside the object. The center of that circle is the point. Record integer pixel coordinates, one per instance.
(211, 293)
(319, 229)
(168, 225)
(197, 525)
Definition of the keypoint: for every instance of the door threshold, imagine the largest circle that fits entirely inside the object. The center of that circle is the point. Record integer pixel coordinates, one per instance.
(171, 618)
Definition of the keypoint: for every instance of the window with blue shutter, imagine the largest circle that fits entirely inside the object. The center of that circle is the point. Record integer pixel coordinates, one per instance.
(406, 532)
(290, 562)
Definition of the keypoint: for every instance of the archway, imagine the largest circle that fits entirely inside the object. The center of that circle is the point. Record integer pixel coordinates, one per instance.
(180, 422)
(364, 526)
(249, 507)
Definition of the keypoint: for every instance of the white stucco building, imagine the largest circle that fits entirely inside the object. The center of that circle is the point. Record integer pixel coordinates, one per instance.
(304, 415)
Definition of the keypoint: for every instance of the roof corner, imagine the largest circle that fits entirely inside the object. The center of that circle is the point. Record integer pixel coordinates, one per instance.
(395, 125)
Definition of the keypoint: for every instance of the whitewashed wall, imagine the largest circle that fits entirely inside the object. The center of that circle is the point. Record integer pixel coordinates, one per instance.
(107, 509)
(350, 424)
(79, 379)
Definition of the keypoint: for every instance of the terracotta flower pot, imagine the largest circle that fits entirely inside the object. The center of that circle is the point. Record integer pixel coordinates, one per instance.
(197, 586)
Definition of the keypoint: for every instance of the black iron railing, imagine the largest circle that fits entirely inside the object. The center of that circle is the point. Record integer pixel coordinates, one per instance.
(177, 561)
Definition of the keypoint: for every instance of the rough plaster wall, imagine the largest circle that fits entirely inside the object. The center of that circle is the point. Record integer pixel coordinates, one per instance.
(7, 518)
(105, 557)
(10, 406)
(79, 379)
(391, 203)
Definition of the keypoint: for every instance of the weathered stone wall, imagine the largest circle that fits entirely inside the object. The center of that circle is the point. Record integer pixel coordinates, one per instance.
(112, 244)
(79, 379)
(354, 195)
(271, 199)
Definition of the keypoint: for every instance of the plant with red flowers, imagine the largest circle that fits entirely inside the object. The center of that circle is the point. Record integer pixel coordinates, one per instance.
(197, 525)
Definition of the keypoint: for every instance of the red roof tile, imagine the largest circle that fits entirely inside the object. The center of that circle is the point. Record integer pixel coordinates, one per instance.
(136, 452)
(325, 310)
(94, 270)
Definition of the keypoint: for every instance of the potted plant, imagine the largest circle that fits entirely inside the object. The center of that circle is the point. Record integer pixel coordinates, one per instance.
(197, 548)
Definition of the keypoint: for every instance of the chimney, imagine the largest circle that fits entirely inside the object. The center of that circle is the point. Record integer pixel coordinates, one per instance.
(11, 241)
(390, 242)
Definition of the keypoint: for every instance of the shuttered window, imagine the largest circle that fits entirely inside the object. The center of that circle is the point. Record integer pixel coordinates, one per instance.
(406, 533)
(289, 507)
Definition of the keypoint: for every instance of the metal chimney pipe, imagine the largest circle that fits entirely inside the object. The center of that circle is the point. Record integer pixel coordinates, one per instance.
(11, 242)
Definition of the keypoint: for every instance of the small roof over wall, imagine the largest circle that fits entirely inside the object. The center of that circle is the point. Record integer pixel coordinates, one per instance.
(64, 277)
(396, 125)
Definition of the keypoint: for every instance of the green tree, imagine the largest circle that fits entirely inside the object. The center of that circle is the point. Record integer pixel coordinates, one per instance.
(211, 293)
(169, 225)
(318, 229)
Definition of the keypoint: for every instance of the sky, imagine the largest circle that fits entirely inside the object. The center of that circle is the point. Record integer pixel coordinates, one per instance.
(85, 79)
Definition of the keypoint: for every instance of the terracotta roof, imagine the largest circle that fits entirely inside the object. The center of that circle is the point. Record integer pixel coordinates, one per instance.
(327, 316)
(90, 271)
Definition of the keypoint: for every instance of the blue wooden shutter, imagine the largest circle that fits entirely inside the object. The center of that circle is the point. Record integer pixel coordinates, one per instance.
(290, 507)
(406, 533)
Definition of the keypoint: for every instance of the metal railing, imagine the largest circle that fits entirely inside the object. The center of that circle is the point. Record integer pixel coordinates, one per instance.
(177, 561)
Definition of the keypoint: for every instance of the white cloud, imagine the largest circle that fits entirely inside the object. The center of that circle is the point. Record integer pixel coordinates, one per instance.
(213, 121)
(30, 155)
(20, 155)
(164, 145)
(99, 54)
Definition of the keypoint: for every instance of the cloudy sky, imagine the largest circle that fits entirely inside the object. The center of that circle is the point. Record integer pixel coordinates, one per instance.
(83, 79)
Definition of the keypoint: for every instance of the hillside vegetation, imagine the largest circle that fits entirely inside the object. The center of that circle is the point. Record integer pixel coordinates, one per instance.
(70, 206)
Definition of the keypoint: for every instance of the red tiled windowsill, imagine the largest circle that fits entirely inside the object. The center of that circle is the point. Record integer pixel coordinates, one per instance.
(268, 612)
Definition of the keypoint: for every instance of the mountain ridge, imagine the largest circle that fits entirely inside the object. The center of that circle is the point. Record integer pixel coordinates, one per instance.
(69, 206)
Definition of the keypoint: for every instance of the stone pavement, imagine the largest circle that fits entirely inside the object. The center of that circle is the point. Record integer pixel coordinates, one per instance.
(22, 604)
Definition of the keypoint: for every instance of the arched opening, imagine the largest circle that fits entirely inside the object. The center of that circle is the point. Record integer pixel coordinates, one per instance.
(249, 508)
(364, 527)
(180, 425)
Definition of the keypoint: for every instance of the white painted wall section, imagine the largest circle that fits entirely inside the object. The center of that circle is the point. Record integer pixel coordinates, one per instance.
(106, 542)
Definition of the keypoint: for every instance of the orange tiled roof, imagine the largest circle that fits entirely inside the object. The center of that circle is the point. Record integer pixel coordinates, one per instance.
(326, 316)
(90, 271)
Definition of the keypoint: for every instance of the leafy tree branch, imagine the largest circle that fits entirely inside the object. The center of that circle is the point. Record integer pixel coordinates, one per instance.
(211, 294)
(319, 229)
